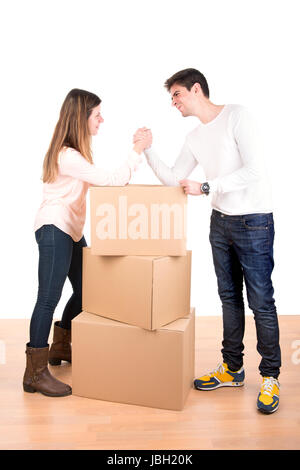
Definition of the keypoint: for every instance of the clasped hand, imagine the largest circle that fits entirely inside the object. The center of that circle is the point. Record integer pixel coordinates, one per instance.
(191, 187)
(142, 139)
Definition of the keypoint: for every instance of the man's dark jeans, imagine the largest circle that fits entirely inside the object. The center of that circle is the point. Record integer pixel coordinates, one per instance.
(60, 257)
(242, 248)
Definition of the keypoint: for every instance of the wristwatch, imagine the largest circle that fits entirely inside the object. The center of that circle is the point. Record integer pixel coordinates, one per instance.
(205, 188)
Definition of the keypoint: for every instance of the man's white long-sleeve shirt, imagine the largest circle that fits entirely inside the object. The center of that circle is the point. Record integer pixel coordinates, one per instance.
(230, 151)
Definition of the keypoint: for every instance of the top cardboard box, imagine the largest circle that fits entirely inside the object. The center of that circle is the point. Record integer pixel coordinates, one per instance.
(138, 220)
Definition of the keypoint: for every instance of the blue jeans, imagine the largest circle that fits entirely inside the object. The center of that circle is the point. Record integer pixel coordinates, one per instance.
(59, 257)
(242, 248)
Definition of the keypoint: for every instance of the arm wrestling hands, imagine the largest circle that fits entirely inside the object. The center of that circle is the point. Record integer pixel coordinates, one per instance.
(143, 139)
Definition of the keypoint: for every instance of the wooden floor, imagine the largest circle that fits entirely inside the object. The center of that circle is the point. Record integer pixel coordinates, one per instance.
(222, 419)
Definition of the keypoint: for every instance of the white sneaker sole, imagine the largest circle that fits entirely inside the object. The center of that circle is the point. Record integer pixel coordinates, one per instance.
(224, 384)
(268, 412)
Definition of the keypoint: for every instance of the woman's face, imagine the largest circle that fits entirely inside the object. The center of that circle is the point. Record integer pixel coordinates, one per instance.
(95, 120)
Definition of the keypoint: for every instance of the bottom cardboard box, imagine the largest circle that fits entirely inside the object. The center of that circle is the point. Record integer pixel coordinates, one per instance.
(117, 362)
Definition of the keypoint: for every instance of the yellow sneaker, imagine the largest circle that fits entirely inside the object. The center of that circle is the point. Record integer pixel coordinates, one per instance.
(268, 398)
(220, 377)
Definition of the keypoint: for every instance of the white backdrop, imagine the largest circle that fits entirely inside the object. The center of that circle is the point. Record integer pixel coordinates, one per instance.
(123, 51)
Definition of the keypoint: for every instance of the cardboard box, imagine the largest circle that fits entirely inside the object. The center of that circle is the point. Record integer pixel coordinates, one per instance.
(121, 363)
(144, 291)
(138, 220)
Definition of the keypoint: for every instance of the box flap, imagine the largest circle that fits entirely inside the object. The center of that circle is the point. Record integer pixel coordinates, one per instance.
(86, 317)
(147, 257)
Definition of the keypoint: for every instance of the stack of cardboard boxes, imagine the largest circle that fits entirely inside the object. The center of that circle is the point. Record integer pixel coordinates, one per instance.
(134, 341)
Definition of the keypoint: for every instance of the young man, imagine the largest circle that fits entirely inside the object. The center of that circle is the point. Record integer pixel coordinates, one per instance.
(227, 146)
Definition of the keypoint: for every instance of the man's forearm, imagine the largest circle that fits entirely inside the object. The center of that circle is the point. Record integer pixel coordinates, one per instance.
(183, 166)
(165, 174)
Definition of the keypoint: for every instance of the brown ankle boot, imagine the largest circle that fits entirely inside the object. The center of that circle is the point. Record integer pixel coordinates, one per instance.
(61, 346)
(37, 377)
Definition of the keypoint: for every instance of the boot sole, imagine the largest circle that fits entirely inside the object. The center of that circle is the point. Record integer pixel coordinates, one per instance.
(29, 389)
(56, 362)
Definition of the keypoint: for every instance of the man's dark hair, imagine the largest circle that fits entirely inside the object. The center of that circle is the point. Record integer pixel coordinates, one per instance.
(187, 78)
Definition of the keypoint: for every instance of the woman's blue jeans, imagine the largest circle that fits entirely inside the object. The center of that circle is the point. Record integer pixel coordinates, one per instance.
(59, 257)
(242, 248)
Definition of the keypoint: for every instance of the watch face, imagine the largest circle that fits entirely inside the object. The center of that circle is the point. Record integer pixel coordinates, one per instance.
(205, 188)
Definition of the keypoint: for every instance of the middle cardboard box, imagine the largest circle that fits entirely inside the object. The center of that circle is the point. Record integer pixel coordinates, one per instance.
(144, 291)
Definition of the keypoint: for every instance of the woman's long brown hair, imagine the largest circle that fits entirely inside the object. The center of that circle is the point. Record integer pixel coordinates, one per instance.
(71, 130)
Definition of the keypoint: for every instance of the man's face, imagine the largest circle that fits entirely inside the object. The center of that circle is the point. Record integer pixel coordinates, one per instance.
(183, 99)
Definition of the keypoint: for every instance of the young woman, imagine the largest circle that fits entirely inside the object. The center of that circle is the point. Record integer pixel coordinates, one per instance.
(68, 171)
